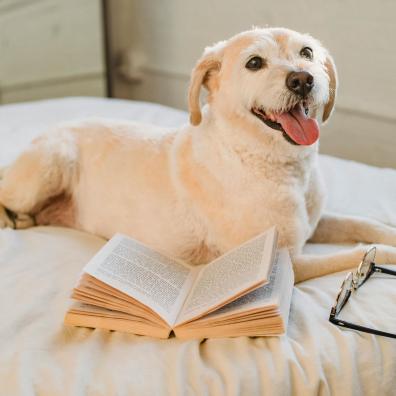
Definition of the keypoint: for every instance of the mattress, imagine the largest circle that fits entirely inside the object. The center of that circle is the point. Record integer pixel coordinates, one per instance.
(39, 267)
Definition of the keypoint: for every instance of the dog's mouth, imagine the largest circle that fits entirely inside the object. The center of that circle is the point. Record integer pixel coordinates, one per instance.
(295, 124)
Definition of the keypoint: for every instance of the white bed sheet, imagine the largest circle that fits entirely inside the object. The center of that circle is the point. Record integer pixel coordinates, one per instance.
(39, 267)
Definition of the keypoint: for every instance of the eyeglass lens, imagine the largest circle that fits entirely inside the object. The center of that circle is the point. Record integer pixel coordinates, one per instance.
(365, 265)
(343, 295)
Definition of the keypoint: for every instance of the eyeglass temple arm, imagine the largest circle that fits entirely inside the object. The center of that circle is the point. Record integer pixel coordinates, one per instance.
(383, 270)
(352, 326)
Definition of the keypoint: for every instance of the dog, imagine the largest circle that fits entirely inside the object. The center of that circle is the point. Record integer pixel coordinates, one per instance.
(247, 161)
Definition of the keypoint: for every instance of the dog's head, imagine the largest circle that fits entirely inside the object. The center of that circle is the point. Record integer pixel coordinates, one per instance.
(277, 81)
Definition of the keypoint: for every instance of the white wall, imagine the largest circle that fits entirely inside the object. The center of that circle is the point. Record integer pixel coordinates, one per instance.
(50, 48)
(361, 36)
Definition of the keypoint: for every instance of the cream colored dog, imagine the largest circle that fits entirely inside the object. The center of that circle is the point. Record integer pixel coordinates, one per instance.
(248, 162)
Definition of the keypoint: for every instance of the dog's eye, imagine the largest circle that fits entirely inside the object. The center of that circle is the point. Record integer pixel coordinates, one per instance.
(255, 63)
(307, 52)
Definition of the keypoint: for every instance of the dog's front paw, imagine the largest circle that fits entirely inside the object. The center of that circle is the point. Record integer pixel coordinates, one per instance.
(386, 235)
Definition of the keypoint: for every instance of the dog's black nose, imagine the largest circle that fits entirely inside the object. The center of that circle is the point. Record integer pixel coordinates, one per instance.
(300, 83)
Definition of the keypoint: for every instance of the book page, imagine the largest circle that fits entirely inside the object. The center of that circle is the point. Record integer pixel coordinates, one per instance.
(96, 317)
(272, 294)
(287, 286)
(155, 280)
(230, 275)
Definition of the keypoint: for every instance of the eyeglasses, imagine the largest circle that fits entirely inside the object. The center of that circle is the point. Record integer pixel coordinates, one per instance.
(352, 282)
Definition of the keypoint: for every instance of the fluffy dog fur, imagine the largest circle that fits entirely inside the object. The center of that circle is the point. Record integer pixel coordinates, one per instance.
(200, 190)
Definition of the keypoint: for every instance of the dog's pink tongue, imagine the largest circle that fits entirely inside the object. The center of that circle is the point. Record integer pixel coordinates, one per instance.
(300, 128)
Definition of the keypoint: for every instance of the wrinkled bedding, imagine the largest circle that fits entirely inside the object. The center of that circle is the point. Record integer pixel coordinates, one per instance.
(39, 267)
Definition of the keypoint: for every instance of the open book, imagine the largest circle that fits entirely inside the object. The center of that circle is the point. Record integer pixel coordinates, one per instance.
(129, 287)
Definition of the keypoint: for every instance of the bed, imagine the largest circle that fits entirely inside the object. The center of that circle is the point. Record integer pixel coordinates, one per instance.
(39, 267)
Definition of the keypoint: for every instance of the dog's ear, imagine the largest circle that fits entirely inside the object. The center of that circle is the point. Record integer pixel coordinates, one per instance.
(204, 73)
(333, 79)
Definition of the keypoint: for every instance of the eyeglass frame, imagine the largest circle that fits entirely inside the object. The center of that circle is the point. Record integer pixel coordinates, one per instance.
(353, 279)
